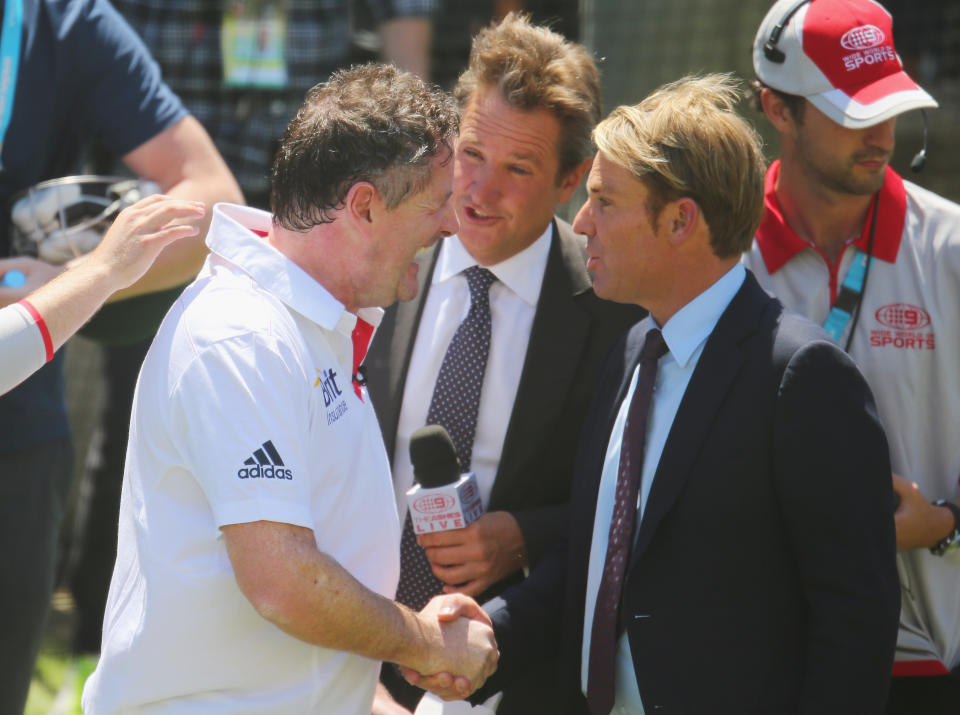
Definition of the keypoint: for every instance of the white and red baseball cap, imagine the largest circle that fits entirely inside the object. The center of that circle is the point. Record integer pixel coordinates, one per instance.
(839, 54)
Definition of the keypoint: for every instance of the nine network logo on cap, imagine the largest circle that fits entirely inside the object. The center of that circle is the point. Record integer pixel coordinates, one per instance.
(862, 38)
(839, 55)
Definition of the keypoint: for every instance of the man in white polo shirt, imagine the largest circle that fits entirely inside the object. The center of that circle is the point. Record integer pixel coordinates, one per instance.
(849, 244)
(259, 537)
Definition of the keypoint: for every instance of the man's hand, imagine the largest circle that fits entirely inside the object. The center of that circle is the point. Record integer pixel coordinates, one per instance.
(141, 231)
(452, 612)
(37, 273)
(472, 559)
(919, 523)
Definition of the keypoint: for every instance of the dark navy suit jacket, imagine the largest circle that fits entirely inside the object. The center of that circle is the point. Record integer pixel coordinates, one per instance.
(763, 578)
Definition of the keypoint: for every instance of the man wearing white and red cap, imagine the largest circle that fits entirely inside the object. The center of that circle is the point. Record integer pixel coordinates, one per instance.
(875, 259)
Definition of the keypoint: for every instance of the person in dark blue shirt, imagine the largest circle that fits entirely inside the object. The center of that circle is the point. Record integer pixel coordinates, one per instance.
(80, 73)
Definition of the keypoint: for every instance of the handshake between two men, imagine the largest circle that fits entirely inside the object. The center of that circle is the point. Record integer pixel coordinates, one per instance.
(460, 651)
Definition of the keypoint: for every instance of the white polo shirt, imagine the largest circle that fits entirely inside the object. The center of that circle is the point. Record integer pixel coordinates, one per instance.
(244, 411)
(907, 343)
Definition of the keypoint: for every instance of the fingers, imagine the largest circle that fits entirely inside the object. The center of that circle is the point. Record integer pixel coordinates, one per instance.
(455, 573)
(462, 687)
(441, 539)
(454, 606)
(141, 231)
(156, 212)
(443, 685)
(410, 675)
(169, 234)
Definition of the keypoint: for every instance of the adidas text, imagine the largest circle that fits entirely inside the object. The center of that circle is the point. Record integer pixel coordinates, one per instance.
(267, 472)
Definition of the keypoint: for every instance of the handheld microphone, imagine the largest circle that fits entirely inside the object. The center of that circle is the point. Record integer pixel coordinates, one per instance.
(920, 160)
(442, 499)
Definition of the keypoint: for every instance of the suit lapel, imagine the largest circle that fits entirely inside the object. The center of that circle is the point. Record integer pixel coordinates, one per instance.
(557, 340)
(721, 360)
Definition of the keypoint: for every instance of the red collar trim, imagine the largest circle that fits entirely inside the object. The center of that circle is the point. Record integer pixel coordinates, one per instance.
(362, 332)
(361, 335)
(779, 243)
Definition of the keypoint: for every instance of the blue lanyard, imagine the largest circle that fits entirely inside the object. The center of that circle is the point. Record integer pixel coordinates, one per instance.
(10, 39)
(850, 296)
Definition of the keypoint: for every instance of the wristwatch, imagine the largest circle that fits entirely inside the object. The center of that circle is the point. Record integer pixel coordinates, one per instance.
(951, 541)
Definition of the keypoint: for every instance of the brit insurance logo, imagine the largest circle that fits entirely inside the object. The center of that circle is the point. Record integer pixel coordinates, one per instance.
(904, 328)
(868, 45)
(332, 394)
(264, 463)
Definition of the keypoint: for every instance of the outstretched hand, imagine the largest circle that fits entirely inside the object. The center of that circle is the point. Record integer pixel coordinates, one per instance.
(141, 231)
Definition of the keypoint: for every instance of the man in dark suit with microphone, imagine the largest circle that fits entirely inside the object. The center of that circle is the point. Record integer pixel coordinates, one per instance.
(731, 544)
(503, 341)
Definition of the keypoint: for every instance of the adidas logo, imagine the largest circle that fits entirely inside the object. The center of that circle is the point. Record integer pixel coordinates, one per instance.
(265, 463)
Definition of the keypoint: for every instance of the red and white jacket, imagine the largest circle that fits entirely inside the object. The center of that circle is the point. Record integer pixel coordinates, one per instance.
(907, 343)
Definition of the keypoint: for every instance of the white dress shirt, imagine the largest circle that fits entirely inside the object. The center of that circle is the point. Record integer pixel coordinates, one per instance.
(685, 334)
(513, 304)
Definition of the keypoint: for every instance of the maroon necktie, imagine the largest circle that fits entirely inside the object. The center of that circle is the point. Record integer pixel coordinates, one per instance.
(603, 640)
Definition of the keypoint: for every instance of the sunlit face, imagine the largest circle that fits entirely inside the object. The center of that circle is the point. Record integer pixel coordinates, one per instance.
(845, 161)
(416, 223)
(627, 253)
(505, 183)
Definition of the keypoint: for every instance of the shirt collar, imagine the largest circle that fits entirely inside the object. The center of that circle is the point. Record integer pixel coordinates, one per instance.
(521, 273)
(778, 242)
(237, 234)
(690, 326)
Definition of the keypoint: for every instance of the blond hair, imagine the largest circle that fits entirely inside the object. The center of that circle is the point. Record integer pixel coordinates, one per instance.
(533, 68)
(687, 140)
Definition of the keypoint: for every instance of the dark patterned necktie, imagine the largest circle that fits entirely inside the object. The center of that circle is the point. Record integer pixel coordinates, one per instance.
(454, 405)
(603, 639)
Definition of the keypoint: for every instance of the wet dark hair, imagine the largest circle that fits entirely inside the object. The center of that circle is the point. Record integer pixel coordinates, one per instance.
(372, 123)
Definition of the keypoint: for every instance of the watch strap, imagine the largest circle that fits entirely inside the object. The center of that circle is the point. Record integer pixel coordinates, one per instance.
(952, 540)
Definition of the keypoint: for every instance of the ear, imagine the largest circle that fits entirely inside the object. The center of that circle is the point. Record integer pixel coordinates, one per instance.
(570, 182)
(777, 112)
(360, 202)
(680, 219)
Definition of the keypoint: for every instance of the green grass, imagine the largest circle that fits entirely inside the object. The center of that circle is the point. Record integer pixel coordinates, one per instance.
(54, 659)
(48, 676)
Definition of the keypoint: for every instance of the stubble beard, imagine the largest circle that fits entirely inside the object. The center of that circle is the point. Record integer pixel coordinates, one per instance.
(844, 179)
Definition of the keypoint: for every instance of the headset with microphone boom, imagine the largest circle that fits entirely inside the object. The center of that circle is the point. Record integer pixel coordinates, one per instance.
(777, 56)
